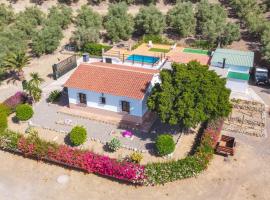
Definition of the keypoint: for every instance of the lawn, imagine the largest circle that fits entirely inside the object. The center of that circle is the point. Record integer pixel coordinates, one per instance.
(197, 51)
(159, 50)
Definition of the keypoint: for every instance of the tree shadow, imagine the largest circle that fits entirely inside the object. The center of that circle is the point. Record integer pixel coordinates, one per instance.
(67, 141)
(15, 120)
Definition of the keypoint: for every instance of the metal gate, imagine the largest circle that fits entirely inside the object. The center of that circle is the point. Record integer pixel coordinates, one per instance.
(64, 66)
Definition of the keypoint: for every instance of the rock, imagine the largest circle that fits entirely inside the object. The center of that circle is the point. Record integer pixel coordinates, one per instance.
(63, 179)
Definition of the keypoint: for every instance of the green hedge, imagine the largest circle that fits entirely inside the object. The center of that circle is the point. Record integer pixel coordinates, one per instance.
(160, 173)
(24, 112)
(95, 49)
(78, 135)
(192, 165)
(3, 121)
(157, 39)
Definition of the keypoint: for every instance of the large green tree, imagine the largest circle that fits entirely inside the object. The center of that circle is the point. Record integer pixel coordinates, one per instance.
(88, 25)
(60, 15)
(150, 20)
(118, 23)
(190, 94)
(181, 18)
(212, 25)
(88, 18)
(28, 20)
(47, 40)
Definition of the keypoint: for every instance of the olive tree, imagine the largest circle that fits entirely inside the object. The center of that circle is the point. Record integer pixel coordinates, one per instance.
(88, 25)
(150, 20)
(181, 19)
(212, 25)
(118, 23)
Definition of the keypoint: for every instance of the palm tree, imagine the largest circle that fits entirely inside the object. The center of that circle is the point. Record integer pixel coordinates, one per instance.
(17, 61)
(33, 86)
(36, 79)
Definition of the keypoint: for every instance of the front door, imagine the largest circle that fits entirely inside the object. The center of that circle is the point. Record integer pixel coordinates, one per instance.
(125, 106)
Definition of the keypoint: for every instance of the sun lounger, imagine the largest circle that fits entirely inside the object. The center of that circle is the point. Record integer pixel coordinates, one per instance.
(173, 46)
(150, 44)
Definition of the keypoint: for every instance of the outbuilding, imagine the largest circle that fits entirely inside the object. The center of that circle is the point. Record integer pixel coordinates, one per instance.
(236, 65)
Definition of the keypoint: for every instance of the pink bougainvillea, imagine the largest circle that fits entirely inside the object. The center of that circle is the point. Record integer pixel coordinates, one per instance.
(88, 161)
(16, 99)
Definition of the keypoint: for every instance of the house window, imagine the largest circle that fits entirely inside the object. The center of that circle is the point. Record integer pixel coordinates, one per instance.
(102, 100)
(125, 106)
(82, 98)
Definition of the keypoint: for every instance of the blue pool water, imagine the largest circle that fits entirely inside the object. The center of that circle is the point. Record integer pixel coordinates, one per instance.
(141, 58)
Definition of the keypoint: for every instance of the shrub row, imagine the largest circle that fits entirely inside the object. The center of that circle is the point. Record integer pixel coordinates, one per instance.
(160, 173)
(95, 49)
(33, 146)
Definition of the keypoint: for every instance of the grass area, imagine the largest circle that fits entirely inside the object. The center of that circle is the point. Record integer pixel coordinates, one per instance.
(159, 50)
(198, 51)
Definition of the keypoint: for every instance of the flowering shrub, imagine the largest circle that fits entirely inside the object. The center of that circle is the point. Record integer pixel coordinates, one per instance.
(155, 173)
(160, 173)
(16, 99)
(72, 157)
(136, 157)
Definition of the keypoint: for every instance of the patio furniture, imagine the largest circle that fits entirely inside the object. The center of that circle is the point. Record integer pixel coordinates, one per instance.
(226, 145)
(150, 44)
(173, 46)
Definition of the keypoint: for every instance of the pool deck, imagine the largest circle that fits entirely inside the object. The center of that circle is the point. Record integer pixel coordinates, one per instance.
(177, 54)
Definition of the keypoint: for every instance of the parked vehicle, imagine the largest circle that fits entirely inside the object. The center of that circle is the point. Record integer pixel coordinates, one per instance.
(261, 76)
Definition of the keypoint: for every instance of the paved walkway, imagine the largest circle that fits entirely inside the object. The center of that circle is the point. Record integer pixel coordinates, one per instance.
(47, 116)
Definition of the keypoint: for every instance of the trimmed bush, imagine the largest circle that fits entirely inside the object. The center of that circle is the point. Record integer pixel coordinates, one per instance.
(54, 96)
(136, 157)
(165, 144)
(24, 112)
(95, 49)
(113, 145)
(5, 109)
(3, 121)
(78, 135)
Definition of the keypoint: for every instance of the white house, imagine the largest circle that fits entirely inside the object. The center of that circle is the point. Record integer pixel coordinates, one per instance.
(112, 88)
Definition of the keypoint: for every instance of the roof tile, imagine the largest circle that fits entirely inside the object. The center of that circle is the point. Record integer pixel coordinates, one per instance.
(112, 79)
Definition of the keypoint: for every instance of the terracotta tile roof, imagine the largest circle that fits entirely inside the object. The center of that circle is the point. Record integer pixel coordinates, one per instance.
(182, 57)
(111, 79)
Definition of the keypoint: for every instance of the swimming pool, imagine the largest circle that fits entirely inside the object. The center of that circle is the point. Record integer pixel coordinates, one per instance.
(142, 59)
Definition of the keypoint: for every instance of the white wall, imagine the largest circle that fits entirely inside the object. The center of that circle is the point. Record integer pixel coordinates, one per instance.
(235, 85)
(113, 103)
